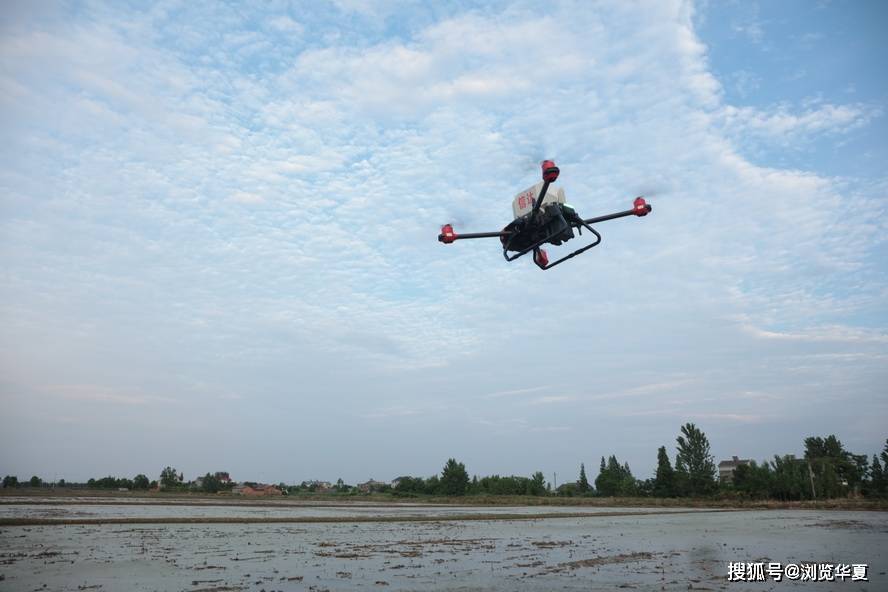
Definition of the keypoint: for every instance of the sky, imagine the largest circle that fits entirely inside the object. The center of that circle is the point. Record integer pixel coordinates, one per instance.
(218, 230)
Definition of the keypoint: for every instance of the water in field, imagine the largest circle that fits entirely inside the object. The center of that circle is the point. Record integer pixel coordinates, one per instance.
(663, 551)
(75, 508)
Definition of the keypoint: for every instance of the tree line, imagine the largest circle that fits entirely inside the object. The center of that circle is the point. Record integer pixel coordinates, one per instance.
(827, 470)
(170, 480)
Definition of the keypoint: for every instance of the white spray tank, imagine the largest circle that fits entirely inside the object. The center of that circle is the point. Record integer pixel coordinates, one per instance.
(523, 202)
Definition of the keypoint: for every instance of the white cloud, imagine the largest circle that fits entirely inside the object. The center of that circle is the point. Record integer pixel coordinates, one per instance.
(824, 334)
(781, 123)
(549, 399)
(514, 392)
(286, 24)
(130, 254)
(243, 197)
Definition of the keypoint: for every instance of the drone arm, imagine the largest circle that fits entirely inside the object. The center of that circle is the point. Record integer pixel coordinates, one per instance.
(639, 208)
(550, 174)
(447, 235)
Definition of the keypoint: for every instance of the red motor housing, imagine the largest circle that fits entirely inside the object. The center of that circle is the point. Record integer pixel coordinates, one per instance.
(550, 171)
(541, 258)
(447, 235)
(640, 206)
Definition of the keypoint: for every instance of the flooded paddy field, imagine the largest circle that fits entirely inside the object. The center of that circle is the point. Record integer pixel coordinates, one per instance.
(91, 509)
(455, 548)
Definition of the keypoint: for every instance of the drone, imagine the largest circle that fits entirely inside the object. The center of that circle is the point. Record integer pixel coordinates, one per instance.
(543, 217)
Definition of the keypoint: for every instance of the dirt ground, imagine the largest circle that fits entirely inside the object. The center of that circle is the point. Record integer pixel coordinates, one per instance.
(455, 548)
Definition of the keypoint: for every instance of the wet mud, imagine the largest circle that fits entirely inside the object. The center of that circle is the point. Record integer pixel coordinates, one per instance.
(642, 550)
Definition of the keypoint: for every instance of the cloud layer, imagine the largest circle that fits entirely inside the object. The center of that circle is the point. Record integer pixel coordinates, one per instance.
(218, 236)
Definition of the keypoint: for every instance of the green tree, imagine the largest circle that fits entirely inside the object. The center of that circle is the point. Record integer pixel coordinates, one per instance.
(664, 481)
(753, 480)
(681, 480)
(210, 483)
(10, 481)
(140, 482)
(408, 484)
(454, 478)
(877, 478)
(170, 478)
(36, 481)
(835, 469)
(433, 486)
(790, 478)
(628, 483)
(583, 483)
(537, 484)
(616, 479)
(567, 490)
(861, 472)
(693, 450)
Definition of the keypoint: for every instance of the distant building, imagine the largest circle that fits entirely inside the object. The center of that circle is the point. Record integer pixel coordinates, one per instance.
(568, 489)
(371, 486)
(317, 486)
(257, 489)
(726, 469)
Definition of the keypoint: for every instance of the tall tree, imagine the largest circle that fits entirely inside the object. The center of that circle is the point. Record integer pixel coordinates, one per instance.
(140, 482)
(664, 481)
(36, 481)
(537, 484)
(877, 477)
(210, 483)
(454, 478)
(615, 479)
(169, 477)
(790, 478)
(583, 483)
(753, 480)
(680, 483)
(10, 481)
(835, 469)
(693, 450)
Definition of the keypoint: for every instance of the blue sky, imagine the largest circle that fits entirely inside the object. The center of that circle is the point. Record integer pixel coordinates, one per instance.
(219, 221)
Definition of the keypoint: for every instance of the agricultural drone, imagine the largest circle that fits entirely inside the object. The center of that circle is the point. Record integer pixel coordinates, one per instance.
(543, 217)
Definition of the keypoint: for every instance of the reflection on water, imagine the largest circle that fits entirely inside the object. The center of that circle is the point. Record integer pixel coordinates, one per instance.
(123, 508)
(643, 552)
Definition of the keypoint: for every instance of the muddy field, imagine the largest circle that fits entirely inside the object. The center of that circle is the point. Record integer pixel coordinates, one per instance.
(505, 549)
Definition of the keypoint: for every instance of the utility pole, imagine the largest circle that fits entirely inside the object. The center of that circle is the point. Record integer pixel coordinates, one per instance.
(811, 477)
(555, 480)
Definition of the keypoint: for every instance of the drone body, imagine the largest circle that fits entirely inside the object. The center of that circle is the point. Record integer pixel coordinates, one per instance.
(543, 217)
